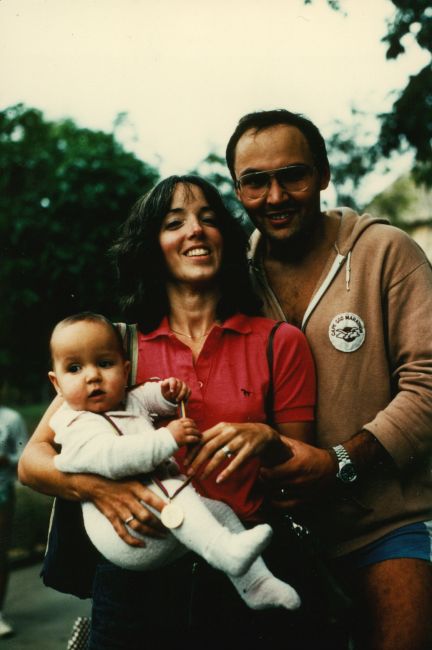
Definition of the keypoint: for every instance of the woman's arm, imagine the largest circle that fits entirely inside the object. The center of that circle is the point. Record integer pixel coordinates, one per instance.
(117, 500)
(36, 467)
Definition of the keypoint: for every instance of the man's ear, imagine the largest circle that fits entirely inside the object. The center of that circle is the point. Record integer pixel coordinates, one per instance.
(53, 379)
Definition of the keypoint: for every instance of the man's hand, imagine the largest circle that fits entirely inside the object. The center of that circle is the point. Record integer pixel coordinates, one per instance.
(308, 475)
(118, 500)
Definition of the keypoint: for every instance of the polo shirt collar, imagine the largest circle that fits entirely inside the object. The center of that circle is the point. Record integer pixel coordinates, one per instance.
(236, 323)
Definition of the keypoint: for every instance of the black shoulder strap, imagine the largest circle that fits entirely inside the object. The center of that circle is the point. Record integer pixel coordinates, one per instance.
(270, 391)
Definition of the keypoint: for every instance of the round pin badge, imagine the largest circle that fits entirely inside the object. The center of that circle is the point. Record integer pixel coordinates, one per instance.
(347, 332)
(172, 515)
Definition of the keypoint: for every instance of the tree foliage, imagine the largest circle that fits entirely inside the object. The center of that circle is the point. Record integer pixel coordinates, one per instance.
(64, 190)
(352, 154)
(408, 125)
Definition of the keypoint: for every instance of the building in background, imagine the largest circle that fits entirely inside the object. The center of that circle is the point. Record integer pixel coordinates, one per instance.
(408, 206)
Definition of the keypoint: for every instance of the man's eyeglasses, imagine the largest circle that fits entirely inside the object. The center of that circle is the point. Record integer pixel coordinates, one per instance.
(294, 178)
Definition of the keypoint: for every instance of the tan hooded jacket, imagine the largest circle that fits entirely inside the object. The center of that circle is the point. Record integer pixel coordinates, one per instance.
(369, 325)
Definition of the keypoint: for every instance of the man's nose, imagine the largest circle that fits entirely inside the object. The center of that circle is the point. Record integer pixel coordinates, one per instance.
(276, 193)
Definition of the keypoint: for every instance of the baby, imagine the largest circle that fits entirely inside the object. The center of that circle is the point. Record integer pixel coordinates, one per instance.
(104, 429)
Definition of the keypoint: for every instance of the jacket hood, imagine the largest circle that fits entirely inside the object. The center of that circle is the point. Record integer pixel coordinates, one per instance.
(352, 227)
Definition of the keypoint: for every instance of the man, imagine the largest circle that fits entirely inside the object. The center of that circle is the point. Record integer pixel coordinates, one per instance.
(362, 292)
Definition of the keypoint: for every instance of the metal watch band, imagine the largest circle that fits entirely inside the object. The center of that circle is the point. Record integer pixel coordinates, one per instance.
(346, 470)
(341, 454)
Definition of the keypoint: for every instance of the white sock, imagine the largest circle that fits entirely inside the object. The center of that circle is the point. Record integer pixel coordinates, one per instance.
(235, 552)
(260, 589)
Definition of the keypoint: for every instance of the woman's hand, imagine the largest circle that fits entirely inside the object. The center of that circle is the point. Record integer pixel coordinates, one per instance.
(228, 440)
(119, 500)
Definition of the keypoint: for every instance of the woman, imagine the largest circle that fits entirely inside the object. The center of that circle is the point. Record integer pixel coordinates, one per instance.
(184, 280)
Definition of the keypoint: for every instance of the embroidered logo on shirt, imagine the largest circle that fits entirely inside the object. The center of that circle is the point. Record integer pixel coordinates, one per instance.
(347, 332)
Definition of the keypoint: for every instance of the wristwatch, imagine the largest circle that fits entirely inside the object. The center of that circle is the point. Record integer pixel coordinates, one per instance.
(346, 471)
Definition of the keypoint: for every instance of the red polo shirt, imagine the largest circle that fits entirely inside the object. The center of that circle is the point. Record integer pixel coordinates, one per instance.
(229, 382)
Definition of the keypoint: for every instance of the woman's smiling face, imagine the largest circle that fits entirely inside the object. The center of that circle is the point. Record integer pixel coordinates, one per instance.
(190, 239)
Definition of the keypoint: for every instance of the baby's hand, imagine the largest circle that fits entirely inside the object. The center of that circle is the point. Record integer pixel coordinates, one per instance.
(174, 390)
(184, 431)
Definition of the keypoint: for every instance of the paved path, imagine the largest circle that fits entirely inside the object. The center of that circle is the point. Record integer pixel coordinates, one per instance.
(42, 618)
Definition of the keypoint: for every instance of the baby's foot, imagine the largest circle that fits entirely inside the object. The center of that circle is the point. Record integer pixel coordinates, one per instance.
(268, 592)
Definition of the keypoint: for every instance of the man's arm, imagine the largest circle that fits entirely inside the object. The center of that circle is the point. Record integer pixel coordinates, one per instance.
(400, 435)
(310, 472)
(404, 427)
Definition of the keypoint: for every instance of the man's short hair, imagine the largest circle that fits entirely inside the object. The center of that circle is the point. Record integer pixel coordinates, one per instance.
(261, 120)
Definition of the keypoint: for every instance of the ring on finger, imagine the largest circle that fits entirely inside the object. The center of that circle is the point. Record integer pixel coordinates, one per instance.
(129, 519)
(227, 451)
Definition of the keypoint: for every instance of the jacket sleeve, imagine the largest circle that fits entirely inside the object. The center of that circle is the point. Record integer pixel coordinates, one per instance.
(89, 444)
(404, 427)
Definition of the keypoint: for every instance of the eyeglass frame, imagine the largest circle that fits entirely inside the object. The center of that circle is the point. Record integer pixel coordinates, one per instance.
(272, 174)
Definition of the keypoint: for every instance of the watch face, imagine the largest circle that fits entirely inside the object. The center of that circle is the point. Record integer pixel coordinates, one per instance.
(347, 473)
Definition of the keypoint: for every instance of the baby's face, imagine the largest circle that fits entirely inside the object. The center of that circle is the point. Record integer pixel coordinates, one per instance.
(89, 370)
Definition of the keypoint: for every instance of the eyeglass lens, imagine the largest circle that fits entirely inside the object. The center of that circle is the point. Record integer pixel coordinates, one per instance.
(293, 178)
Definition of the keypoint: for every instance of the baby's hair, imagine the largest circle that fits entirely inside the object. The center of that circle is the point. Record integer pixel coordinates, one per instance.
(90, 317)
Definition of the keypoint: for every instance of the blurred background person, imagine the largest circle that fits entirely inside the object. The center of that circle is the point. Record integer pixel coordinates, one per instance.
(13, 437)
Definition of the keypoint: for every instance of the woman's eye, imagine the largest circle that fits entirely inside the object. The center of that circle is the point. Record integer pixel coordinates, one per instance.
(210, 219)
(172, 225)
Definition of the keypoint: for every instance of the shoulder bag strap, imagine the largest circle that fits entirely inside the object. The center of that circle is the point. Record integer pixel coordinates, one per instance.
(270, 391)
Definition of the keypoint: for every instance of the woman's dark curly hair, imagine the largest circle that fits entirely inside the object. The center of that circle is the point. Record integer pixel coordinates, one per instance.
(142, 270)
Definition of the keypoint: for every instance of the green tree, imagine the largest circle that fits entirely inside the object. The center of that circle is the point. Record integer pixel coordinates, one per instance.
(64, 190)
(353, 154)
(408, 125)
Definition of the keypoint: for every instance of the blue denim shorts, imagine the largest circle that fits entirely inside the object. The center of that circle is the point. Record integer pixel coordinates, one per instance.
(410, 541)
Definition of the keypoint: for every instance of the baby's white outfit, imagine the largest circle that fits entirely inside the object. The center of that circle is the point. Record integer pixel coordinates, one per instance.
(89, 443)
